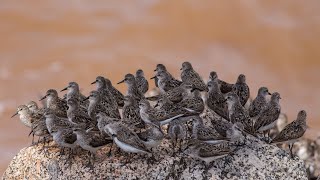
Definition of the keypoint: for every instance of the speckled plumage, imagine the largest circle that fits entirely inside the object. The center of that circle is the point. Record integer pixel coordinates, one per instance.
(151, 137)
(206, 134)
(131, 113)
(98, 104)
(133, 90)
(141, 81)
(166, 82)
(190, 76)
(77, 115)
(105, 93)
(206, 152)
(118, 96)
(126, 139)
(74, 92)
(155, 116)
(56, 104)
(259, 103)
(268, 116)
(224, 86)
(237, 113)
(242, 89)
(216, 100)
(294, 130)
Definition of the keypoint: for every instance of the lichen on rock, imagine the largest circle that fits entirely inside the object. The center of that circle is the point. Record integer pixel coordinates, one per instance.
(255, 160)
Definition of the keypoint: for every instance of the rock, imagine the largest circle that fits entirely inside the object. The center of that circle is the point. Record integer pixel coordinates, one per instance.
(255, 160)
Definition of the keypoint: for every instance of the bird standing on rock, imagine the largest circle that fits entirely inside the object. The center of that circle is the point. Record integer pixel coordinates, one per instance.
(190, 76)
(142, 83)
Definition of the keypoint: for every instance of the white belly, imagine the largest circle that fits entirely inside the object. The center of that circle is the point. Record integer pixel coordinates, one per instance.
(126, 147)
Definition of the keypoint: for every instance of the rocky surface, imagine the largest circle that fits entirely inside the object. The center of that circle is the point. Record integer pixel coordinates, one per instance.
(255, 160)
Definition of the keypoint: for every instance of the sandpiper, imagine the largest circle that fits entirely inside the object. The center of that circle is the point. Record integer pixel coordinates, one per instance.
(293, 131)
(206, 152)
(259, 103)
(154, 116)
(242, 89)
(56, 104)
(133, 90)
(25, 115)
(223, 86)
(131, 113)
(91, 141)
(74, 92)
(190, 76)
(206, 134)
(216, 101)
(141, 81)
(98, 104)
(152, 137)
(237, 112)
(165, 81)
(118, 96)
(268, 117)
(177, 131)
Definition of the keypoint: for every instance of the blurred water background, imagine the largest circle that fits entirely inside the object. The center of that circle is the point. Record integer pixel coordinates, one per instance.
(46, 44)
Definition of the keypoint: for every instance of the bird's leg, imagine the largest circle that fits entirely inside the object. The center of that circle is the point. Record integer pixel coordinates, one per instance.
(110, 150)
(173, 143)
(290, 148)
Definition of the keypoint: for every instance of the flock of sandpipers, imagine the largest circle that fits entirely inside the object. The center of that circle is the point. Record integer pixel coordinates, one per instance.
(136, 123)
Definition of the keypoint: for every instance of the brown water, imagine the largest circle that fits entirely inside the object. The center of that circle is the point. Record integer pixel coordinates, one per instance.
(47, 44)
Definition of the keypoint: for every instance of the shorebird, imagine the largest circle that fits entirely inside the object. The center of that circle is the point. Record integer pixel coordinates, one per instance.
(259, 103)
(192, 104)
(98, 104)
(268, 116)
(56, 104)
(206, 152)
(152, 137)
(91, 141)
(126, 139)
(177, 131)
(77, 115)
(206, 134)
(34, 108)
(242, 89)
(74, 92)
(165, 81)
(169, 81)
(237, 112)
(104, 90)
(223, 86)
(65, 138)
(133, 90)
(141, 81)
(190, 76)
(292, 132)
(118, 96)
(175, 95)
(131, 113)
(154, 116)
(216, 101)
(53, 121)
(25, 115)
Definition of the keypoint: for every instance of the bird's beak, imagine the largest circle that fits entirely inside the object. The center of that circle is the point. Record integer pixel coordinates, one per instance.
(86, 98)
(224, 101)
(94, 82)
(120, 82)
(14, 114)
(180, 68)
(64, 89)
(156, 105)
(43, 97)
(155, 70)
(153, 77)
(269, 93)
